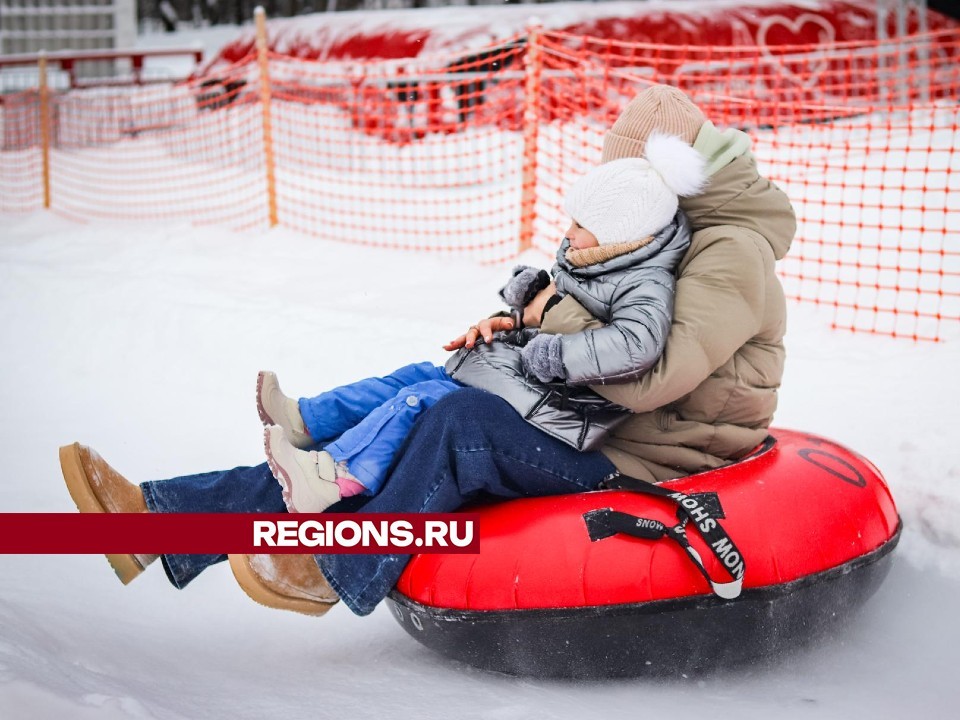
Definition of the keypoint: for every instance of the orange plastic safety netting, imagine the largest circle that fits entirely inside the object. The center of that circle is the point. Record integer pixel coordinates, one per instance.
(422, 154)
(21, 171)
(471, 153)
(128, 153)
(863, 137)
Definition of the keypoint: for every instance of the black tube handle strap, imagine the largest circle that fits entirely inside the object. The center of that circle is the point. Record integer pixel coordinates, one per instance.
(702, 509)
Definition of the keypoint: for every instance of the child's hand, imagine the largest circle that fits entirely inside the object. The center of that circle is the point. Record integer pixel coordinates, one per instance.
(542, 357)
(485, 328)
(523, 286)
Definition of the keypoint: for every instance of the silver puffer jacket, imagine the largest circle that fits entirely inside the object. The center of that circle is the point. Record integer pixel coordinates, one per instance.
(632, 294)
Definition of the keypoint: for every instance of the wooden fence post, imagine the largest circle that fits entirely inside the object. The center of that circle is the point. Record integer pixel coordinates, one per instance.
(268, 158)
(45, 128)
(532, 67)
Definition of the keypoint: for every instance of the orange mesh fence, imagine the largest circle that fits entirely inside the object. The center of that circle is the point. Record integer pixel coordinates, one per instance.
(863, 137)
(421, 155)
(21, 178)
(472, 152)
(159, 152)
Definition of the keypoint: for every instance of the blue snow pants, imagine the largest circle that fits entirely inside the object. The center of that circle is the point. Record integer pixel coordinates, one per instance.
(371, 418)
(470, 444)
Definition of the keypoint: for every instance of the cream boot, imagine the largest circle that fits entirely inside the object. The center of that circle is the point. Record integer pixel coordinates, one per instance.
(284, 582)
(275, 408)
(307, 477)
(97, 488)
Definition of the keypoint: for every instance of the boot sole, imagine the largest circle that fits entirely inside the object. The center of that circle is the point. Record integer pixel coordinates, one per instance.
(279, 474)
(261, 411)
(250, 583)
(125, 566)
(301, 441)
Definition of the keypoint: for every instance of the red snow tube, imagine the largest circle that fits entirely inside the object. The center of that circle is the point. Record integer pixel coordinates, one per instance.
(725, 568)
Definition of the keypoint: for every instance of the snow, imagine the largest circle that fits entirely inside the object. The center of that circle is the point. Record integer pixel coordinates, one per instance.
(144, 341)
(480, 26)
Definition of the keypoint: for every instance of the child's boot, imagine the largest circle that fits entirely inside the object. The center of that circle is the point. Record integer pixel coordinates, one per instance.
(307, 477)
(275, 408)
(97, 488)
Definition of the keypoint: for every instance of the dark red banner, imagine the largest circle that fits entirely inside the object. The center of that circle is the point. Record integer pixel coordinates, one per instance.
(224, 533)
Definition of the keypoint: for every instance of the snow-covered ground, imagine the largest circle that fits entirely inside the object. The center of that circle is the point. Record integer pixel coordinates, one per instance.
(144, 340)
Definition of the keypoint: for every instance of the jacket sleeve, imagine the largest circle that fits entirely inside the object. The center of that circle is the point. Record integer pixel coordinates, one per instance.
(718, 307)
(631, 342)
(568, 317)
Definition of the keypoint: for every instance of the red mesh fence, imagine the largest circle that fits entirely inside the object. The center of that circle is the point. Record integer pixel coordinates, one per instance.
(422, 155)
(21, 174)
(863, 137)
(158, 151)
(471, 153)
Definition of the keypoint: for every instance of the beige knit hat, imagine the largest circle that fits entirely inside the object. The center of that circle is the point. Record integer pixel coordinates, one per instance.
(659, 107)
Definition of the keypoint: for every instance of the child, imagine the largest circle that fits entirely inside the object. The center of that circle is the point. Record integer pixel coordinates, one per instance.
(618, 260)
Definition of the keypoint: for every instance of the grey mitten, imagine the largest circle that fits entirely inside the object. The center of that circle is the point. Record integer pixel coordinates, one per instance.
(523, 287)
(542, 357)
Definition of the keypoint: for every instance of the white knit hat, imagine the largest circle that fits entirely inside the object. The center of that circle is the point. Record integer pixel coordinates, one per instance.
(632, 198)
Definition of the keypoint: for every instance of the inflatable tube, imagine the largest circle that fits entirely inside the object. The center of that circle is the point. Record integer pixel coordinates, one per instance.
(560, 589)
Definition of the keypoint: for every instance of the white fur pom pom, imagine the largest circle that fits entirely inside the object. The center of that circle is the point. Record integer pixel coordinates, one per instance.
(682, 168)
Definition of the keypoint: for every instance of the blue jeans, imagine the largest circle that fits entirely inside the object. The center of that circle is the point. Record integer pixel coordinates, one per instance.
(470, 444)
(371, 418)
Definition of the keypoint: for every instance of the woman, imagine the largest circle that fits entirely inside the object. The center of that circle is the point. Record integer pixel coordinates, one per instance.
(706, 402)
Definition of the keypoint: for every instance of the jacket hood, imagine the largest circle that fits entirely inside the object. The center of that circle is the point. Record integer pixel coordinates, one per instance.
(737, 194)
(664, 250)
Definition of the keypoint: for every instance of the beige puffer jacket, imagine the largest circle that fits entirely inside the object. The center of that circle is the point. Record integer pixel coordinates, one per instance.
(713, 392)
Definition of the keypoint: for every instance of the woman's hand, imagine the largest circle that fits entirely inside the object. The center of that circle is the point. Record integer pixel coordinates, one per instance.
(485, 328)
(533, 312)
